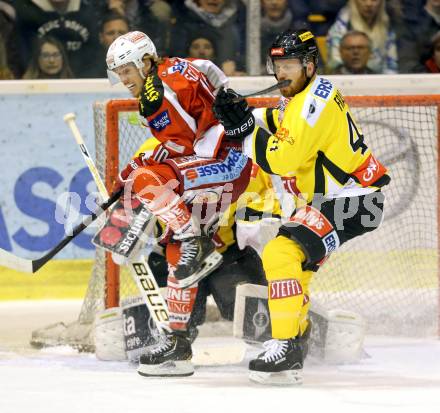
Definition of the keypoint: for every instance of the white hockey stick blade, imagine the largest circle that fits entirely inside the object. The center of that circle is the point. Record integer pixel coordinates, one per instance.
(15, 263)
(218, 354)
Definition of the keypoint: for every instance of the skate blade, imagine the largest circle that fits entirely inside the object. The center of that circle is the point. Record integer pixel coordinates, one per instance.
(211, 263)
(180, 368)
(282, 378)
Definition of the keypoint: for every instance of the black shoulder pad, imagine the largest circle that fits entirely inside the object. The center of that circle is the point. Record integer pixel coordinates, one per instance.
(151, 96)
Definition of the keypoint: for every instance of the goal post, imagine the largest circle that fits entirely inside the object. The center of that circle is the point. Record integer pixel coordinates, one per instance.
(391, 275)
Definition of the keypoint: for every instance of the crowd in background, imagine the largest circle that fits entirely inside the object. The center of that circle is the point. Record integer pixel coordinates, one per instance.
(50, 39)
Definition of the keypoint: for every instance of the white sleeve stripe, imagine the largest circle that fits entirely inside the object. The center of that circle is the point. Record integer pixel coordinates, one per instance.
(260, 118)
(161, 155)
(207, 145)
(248, 146)
(206, 86)
(214, 74)
(170, 95)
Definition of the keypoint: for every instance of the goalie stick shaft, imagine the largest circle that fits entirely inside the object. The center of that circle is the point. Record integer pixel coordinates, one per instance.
(31, 266)
(139, 268)
(69, 118)
(277, 86)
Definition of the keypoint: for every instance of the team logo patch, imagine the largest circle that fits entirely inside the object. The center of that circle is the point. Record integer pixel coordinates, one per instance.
(369, 171)
(282, 134)
(134, 36)
(290, 186)
(191, 174)
(284, 289)
(161, 121)
(331, 242)
(313, 219)
(110, 60)
(277, 51)
(324, 89)
(306, 36)
(179, 66)
(150, 92)
(260, 319)
(216, 172)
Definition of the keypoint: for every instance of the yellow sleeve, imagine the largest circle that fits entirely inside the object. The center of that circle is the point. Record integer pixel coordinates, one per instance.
(147, 146)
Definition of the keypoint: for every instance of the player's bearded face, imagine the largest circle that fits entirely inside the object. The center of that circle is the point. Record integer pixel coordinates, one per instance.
(131, 78)
(290, 69)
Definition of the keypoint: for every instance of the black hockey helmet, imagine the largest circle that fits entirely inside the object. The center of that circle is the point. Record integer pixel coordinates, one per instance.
(290, 44)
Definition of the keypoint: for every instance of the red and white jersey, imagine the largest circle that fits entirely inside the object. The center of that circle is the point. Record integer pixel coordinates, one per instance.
(176, 100)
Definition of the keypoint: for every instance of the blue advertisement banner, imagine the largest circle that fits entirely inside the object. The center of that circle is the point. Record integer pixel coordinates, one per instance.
(40, 164)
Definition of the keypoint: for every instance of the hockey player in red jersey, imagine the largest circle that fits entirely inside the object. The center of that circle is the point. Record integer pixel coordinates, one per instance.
(175, 98)
(192, 161)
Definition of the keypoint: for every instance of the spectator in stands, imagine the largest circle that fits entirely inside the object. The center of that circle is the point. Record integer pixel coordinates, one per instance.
(49, 60)
(316, 15)
(411, 8)
(415, 40)
(370, 17)
(202, 46)
(216, 18)
(276, 17)
(112, 26)
(10, 59)
(432, 65)
(128, 8)
(5, 72)
(161, 9)
(355, 51)
(73, 22)
(158, 19)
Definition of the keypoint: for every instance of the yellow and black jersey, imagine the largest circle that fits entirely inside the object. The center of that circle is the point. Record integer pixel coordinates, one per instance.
(318, 146)
(267, 118)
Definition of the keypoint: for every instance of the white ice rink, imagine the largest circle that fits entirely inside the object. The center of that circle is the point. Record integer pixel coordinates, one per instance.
(401, 375)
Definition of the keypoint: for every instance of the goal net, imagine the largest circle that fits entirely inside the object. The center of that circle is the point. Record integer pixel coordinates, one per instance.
(389, 276)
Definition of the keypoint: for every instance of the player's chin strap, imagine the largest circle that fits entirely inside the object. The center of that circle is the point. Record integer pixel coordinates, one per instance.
(308, 79)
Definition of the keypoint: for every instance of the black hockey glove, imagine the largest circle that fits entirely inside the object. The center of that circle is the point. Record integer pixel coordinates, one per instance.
(236, 117)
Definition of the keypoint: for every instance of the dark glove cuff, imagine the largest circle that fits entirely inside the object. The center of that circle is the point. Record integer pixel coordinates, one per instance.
(240, 130)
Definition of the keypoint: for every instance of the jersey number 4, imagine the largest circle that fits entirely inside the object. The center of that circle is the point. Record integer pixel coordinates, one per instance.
(356, 138)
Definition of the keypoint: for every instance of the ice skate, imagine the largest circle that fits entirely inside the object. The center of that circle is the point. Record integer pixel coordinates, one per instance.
(280, 364)
(170, 357)
(198, 258)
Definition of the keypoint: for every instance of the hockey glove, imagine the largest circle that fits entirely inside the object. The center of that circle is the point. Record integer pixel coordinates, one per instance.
(236, 117)
(124, 175)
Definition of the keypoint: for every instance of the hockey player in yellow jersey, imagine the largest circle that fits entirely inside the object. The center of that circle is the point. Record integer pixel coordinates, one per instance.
(323, 159)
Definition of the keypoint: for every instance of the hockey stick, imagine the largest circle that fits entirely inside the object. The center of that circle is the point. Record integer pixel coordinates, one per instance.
(31, 266)
(139, 268)
(277, 86)
(69, 118)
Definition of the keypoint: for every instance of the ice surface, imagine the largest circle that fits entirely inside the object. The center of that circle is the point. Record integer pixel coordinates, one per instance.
(400, 375)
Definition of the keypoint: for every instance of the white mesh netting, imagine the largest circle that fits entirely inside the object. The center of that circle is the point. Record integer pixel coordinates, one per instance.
(389, 276)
